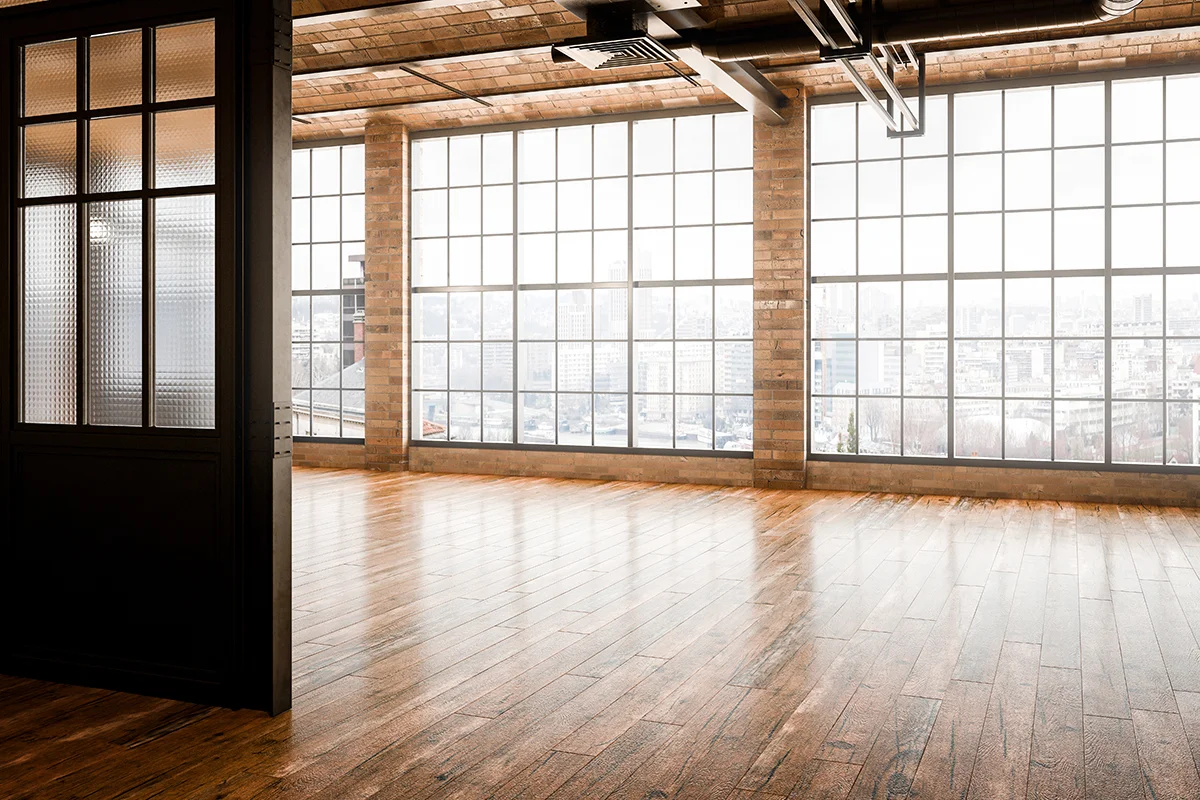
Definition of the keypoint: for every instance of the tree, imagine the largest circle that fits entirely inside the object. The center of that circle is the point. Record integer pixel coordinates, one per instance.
(851, 434)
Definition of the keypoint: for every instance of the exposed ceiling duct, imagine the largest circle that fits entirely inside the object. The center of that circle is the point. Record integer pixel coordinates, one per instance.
(947, 27)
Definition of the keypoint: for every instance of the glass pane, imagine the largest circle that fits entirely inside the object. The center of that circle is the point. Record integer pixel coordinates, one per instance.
(610, 367)
(611, 420)
(536, 155)
(1137, 368)
(301, 413)
(734, 367)
(831, 126)
(574, 205)
(1079, 239)
(326, 269)
(694, 367)
(50, 78)
(1079, 431)
(354, 406)
(115, 154)
(535, 259)
(497, 209)
(925, 243)
(497, 418)
(735, 141)
(354, 169)
(574, 367)
(1027, 180)
(879, 310)
(833, 309)
(575, 314)
(535, 207)
(1027, 368)
(498, 366)
(693, 422)
(497, 315)
(693, 199)
(497, 260)
(1079, 368)
(876, 430)
(694, 253)
(873, 141)
(734, 251)
(654, 424)
(429, 366)
(575, 419)
(694, 312)
(977, 308)
(354, 224)
(1137, 305)
(116, 70)
(1027, 241)
(1079, 114)
(834, 429)
(1079, 178)
(1027, 118)
(1137, 174)
(301, 322)
(1183, 172)
(611, 149)
(1027, 432)
(609, 255)
(301, 221)
(185, 59)
(653, 202)
(115, 313)
(50, 238)
(1027, 307)
(652, 368)
(734, 193)
(833, 247)
(184, 148)
(466, 366)
(652, 146)
(926, 186)
(1183, 106)
(1183, 369)
(925, 428)
(429, 163)
(1183, 236)
(1183, 434)
(1137, 433)
(1183, 305)
(1137, 110)
(925, 368)
(537, 421)
(326, 171)
(694, 143)
(431, 415)
(978, 243)
(185, 312)
(429, 212)
(536, 314)
(465, 261)
(734, 312)
(497, 168)
(879, 248)
(878, 188)
(977, 369)
(1137, 237)
(833, 191)
(653, 313)
(1079, 306)
(612, 313)
(301, 172)
(833, 367)
(466, 161)
(50, 159)
(879, 368)
(977, 122)
(465, 316)
(977, 183)
(936, 123)
(466, 215)
(925, 309)
(977, 429)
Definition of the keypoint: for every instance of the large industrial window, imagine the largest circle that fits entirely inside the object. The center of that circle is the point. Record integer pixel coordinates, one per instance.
(328, 255)
(522, 289)
(1022, 283)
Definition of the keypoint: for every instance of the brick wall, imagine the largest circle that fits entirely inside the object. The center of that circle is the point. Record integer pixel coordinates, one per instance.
(387, 297)
(329, 454)
(1027, 484)
(779, 293)
(681, 468)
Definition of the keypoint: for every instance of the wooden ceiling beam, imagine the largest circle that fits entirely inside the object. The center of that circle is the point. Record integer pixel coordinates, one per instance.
(403, 65)
(370, 11)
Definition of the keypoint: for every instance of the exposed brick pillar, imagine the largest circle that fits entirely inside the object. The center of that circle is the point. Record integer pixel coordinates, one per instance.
(780, 288)
(387, 297)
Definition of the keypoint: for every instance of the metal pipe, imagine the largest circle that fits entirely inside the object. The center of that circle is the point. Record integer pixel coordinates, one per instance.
(947, 26)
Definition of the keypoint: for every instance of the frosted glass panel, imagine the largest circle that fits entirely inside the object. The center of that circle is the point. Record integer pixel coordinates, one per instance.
(114, 310)
(115, 71)
(115, 154)
(50, 78)
(50, 160)
(184, 61)
(185, 308)
(184, 148)
(49, 314)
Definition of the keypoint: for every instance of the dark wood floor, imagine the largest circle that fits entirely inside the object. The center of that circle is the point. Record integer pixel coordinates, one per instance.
(462, 637)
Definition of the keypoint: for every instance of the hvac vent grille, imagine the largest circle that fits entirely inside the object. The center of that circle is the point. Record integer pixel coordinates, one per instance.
(632, 52)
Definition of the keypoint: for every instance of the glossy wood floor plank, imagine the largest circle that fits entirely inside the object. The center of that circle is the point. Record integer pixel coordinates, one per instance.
(466, 638)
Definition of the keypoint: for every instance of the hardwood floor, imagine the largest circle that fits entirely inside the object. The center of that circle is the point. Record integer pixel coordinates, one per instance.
(469, 637)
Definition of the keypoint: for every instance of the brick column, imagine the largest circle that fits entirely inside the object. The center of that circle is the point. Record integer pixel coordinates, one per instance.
(387, 297)
(780, 289)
